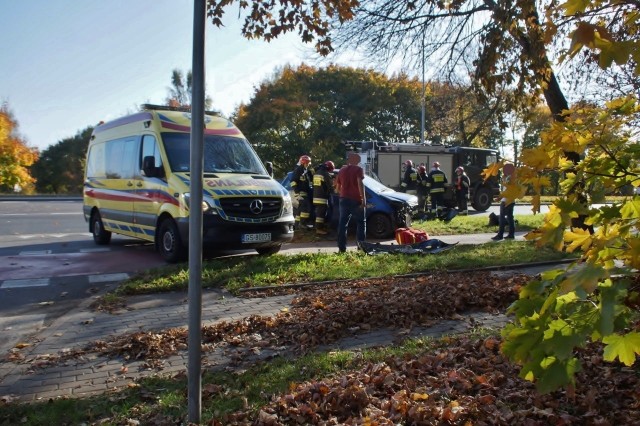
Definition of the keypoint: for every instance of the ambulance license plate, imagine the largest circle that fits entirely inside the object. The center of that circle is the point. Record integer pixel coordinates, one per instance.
(256, 238)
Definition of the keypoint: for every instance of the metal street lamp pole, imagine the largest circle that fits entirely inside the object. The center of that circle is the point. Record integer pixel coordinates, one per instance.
(195, 215)
(423, 96)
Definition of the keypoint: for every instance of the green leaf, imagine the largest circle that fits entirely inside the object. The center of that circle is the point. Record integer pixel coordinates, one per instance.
(586, 277)
(624, 347)
(520, 342)
(631, 209)
(608, 300)
(557, 374)
(561, 338)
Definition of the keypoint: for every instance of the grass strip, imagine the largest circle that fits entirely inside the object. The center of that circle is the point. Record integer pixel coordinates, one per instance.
(262, 271)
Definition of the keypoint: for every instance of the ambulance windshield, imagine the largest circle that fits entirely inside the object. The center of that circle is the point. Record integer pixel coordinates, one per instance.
(222, 154)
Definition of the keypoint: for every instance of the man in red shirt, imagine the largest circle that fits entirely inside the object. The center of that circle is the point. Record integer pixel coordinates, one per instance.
(349, 184)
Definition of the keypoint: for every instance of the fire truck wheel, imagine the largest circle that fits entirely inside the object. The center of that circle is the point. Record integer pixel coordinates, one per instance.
(482, 199)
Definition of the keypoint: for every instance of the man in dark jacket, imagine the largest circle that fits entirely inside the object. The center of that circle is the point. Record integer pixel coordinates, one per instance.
(301, 183)
(410, 179)
(423, 188)
(322, 190)
(461, 187)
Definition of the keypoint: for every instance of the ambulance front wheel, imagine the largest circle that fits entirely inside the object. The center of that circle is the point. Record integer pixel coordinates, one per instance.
(169, 242)
(100, 235)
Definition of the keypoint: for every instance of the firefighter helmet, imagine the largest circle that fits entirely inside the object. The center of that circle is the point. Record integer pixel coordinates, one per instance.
(304, 160)
(460, 169)
(329, 165)
(436, 164)
(408, 163)
(422, 169)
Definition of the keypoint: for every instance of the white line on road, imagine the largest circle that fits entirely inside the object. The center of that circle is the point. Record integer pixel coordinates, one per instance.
(34, 252)
(94, 279)
(95, 250)
(41, 236)
(36, 282)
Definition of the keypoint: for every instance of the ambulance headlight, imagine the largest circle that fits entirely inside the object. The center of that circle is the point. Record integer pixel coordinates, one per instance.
(207, 203)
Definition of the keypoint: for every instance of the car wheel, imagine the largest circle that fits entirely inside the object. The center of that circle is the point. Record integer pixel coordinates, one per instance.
(379, 226)
(100, 235)
(169, 242)
(482, 199)
(268, 251)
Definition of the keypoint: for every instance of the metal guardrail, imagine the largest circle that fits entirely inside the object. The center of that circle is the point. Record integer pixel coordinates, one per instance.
(50, 197)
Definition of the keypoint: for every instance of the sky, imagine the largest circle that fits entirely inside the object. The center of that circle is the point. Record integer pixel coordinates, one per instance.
(68, 64)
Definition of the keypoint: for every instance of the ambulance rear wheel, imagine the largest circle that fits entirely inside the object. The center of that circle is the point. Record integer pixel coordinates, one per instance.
(100, 236)
(379, 226)
(169, 242)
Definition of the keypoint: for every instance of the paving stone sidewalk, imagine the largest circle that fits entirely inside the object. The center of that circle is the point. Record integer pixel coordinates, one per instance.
(95, 374)
(92, 373)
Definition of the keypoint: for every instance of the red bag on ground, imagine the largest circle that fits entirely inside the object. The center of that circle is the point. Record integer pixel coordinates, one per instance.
(410, 236)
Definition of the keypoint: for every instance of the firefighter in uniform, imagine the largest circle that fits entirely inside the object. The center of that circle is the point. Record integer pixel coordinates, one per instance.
(423, 188)
(301, 182)
(410, 179)
(461, 188)
(437, 181)
(322, 190)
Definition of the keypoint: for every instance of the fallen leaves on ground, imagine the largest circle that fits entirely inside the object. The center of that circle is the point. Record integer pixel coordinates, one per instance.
(324, 314)
(463, 382)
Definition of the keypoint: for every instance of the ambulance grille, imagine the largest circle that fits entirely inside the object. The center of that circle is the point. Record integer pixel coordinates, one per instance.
(251, 207)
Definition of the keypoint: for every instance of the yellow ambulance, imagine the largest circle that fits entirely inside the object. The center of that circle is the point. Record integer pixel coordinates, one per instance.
(137, 184)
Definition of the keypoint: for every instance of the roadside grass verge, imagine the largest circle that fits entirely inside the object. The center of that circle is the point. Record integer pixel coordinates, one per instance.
(475, 224)
(234, 273)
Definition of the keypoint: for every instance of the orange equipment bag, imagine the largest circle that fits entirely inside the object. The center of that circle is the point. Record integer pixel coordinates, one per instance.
(410, 236)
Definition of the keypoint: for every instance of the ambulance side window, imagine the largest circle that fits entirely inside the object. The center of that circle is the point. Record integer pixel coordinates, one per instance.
(96, 162)
(120, 158)
(151, 149)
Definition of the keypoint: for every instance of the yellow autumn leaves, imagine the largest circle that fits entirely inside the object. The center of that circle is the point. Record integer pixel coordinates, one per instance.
(15, 156)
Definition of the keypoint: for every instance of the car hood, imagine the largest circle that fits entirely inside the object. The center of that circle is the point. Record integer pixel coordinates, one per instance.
(399, 197)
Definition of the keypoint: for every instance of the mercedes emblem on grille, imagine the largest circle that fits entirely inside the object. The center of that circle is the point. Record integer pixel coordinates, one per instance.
(256, 206)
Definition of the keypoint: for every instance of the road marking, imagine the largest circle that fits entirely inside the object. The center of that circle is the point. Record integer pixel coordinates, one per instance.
(47, 214)
(40, 236)
(94, 279)
(34, 252)
(95, 250)
(35, 282)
